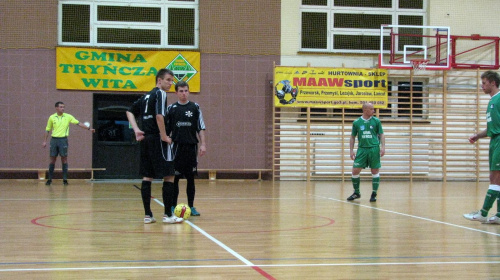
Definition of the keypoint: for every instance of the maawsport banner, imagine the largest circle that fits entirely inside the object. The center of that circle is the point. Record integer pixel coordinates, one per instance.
(123, 70)
(329, 87)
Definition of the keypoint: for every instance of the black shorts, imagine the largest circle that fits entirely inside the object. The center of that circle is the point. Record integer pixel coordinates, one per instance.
(186, 158)
(156, 158)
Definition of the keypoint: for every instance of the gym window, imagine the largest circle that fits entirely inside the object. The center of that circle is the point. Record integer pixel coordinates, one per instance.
(137, 24)
(353, 26)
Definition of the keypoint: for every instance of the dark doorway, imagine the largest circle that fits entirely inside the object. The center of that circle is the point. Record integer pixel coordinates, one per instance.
(114, 146)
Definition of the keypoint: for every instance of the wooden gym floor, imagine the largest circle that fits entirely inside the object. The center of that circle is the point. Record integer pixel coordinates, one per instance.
(247, 230)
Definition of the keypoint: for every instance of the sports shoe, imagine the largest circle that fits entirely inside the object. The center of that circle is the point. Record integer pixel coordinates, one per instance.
(354, 196)
(65, 182)
(48, 182)
(194, 212)
(475, 216)
(494, 220)
(373, 198)
(149, 220)
(172, 220)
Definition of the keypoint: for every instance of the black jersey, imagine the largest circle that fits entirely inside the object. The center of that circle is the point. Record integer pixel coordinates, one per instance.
(184, 121)
(147, 107)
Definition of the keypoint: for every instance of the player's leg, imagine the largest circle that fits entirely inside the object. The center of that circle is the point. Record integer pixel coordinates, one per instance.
(495, 219)
(64, 163)
(360, 162)
(375, 168)
(175, 195)
(190, 192)
(53, 152)
(64, 159)
(164, 165)
(146, 169)
(146, 200)
(494, 188)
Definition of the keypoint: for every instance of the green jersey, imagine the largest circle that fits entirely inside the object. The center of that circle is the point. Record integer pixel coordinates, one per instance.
(367, 132)
(493, 116)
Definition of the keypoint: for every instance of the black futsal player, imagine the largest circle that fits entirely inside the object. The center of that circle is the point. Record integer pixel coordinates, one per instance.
(186, 127)
(156, 152)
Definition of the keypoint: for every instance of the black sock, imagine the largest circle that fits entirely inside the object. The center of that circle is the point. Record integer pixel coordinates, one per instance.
(175, 195)
(190, 189)
(65, 171)
(51, 170)
(167, 193)
(146, 197)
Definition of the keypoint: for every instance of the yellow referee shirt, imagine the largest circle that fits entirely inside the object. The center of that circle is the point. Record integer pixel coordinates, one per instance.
(60, 124)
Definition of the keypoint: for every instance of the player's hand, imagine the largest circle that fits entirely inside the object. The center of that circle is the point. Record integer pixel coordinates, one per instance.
(382, 152)
(203, 150)
(165, 138)
(44, 144)
(353, 155)
(92, 130)
(473, 139)
(139, 135)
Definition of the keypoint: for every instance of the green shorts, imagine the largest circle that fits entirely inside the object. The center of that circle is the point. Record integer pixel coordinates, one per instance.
(494, 156)
(367, 157)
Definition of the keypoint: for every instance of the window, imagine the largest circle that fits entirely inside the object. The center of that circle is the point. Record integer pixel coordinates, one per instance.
(353, 26)
(404, 101)
(113, 23)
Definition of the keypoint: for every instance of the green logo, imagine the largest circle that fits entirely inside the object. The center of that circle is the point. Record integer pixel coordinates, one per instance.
(183, 71)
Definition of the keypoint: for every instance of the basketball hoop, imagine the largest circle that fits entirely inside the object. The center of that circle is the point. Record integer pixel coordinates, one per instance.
(419, 64)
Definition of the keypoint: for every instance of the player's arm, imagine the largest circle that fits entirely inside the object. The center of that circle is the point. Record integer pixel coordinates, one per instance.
(86, 127)
(139, 134)
(202, 148)
(477, 136)
(352, 140)
(160, 120)
(382, 144)
(47, 131)
(44, 144)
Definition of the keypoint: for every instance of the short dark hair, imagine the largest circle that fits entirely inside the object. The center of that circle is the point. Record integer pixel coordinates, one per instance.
(181, 84)
(491, 76)
(161, 74)
(58, 103)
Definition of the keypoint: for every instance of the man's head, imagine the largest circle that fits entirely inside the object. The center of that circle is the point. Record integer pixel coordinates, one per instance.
(164, 79)
(59, 107)
(490, 82)
(182, 91)
(368, 110)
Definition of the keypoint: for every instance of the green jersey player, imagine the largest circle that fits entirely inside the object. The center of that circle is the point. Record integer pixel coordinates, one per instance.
(490, 82)
(371, 146)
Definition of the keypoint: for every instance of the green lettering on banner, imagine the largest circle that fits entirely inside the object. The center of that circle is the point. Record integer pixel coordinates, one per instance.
(65, 67)
(108, 83)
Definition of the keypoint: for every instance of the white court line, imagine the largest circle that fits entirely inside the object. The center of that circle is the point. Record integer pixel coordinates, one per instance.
(229, 250)
(406, 215)
(236, 266)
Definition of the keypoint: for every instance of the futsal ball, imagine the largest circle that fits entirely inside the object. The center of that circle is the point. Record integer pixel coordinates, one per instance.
(182, 211)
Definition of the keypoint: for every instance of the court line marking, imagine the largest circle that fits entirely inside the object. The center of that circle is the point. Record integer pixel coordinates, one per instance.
(222, 245)
(406, 215)
(242, 266)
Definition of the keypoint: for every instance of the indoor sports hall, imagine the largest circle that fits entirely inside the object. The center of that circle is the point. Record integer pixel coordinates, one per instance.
(280, 84)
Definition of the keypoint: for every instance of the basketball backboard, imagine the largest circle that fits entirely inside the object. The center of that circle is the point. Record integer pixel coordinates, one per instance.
(402, 44)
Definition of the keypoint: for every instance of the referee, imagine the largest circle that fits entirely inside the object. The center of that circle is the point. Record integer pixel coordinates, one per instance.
(58, 123)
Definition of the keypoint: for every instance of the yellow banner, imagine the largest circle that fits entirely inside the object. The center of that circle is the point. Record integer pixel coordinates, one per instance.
(329, 87)
(122, 70)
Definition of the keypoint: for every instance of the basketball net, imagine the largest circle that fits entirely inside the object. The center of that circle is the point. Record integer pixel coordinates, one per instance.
(419, 64)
